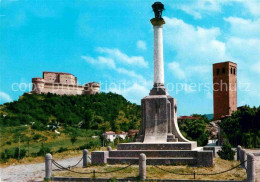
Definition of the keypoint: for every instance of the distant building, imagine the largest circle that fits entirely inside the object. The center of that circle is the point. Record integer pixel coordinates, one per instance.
(132, 133)
(111, 135)
(62, 84)
(182, 118)
(225, 89)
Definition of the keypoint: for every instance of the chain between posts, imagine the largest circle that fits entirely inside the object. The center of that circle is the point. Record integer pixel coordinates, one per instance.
(194, 172)
(94, 172)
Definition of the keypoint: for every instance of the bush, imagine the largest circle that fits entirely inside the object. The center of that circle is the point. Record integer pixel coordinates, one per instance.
(37, 137)
(43, 151)
(22, 153)
(61, 149)
(7, 154)
(226, 152)
(92, 144)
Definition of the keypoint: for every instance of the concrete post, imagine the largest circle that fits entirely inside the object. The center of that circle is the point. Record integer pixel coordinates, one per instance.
(238, 151)
(48, 166)
(142, 166)
(250, 172)
(109, 148)
(242, 155)
(85, 158)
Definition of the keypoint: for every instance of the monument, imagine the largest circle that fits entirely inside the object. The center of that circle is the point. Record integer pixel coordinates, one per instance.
(159, 136)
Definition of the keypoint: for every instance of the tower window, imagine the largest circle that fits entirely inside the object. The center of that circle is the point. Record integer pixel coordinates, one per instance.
(234, 71)
(223, 71)
(218, 71)
(231, 71)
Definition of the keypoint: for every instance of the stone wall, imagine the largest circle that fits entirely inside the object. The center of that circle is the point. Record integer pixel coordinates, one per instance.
(62, 84)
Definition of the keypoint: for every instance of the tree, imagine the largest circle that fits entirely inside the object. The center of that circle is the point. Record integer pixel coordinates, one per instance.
(226, 152)
(73, 139)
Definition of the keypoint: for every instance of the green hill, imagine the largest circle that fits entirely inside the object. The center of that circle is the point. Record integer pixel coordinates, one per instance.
(101, 111)
(59, 123)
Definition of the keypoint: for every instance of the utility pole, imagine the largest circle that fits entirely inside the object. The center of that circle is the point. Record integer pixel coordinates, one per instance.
(28, 147)
(19, 148)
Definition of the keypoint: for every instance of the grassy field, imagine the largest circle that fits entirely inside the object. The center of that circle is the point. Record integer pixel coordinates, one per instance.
(155, 173)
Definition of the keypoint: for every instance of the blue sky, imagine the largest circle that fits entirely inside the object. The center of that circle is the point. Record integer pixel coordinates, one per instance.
(112, 42)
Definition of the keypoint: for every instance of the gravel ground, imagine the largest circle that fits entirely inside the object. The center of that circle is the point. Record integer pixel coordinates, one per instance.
(31, 172)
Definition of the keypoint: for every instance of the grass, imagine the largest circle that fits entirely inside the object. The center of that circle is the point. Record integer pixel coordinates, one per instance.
(155, 173)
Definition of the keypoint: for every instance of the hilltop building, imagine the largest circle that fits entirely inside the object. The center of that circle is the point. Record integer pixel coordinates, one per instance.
(225, 89)
(62, 84)
(183, 118)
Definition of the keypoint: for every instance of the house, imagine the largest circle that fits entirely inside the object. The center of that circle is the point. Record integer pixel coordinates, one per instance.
(111, 135)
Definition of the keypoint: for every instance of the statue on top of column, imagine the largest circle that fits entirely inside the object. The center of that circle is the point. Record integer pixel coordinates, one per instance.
(158, 8)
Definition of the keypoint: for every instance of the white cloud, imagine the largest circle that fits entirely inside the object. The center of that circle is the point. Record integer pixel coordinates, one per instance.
(196, 49)
(108, 62)
(123, 58)
(130, 73)
(141, 45)
(134, 92)
(100, 61)
(245, 28)
(194, 44)
(253, 6)
(176, 70)
(4, 97)
(199, 8)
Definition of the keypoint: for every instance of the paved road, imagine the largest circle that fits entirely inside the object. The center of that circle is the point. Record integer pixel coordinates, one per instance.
(31, 172)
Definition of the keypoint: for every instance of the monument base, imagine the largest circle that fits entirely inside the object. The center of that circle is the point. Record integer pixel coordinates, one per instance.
(170, 153)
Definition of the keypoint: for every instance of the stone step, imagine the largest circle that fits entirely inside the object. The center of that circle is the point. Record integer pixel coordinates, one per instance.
(154, 161)
(157, 146)
(152, 153)
(172, 139)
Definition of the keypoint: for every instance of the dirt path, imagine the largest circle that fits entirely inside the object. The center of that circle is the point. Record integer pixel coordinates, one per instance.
(31, 172)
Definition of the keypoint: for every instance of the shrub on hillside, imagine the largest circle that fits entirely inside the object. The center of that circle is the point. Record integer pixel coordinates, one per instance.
(226, 152)
(62, 149)
(7, 154)
(22, 153)
(43, 151)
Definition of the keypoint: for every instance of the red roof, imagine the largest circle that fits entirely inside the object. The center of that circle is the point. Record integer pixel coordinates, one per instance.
(109, 132)
(188, 117)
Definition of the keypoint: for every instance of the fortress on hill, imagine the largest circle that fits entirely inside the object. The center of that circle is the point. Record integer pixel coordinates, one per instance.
(62, 84)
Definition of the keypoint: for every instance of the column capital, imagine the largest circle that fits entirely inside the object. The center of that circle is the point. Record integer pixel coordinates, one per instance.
(157, 21)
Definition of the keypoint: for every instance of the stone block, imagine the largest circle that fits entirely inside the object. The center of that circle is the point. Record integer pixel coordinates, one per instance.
(99, 157)
(205, 158)
(213, 149)
(158, 146)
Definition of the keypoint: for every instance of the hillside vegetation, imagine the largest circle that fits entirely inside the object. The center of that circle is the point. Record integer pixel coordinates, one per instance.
(54, 123)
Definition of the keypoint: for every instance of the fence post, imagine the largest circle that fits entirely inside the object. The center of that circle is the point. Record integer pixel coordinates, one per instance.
(48, 166)
(85, 158)
(142, 166)
(238, 152)
(109, 148)
(250, 177)
(242, 155)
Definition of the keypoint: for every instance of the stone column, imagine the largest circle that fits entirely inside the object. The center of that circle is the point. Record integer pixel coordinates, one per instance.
(142, 166)
(250, 168)
(48, 166)
(85, 158)
(109, 148)
(242, 156)
(158, 52)
(238, 151)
